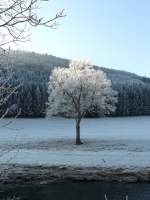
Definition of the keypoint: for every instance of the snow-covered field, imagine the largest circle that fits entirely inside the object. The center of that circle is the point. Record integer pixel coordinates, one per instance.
(117, 142)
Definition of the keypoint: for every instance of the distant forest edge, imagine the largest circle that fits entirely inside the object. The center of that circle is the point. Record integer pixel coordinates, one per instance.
(32, 70)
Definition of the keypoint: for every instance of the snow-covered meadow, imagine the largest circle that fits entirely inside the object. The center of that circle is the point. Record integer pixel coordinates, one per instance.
(108, 142)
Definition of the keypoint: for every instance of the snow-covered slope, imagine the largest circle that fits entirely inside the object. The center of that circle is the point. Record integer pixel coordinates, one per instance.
(43, 62)
(118, 76)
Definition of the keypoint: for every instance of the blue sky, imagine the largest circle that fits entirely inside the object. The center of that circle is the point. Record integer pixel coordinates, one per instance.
(110, 33)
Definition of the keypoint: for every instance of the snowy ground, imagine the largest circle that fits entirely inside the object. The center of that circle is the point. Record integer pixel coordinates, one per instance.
(117, 142)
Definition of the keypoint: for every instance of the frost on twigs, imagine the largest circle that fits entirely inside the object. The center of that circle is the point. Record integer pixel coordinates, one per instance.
(7, 89)
(79, 89)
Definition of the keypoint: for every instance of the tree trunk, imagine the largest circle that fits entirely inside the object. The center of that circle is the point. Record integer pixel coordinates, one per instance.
(78, 140)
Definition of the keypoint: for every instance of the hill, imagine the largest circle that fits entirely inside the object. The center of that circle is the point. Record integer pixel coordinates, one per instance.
(34, 62)
(32, 70)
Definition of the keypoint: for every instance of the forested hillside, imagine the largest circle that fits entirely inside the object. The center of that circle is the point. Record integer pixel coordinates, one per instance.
(31, 71)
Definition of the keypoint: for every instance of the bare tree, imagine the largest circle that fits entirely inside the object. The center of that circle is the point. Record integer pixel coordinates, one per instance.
(17, 15)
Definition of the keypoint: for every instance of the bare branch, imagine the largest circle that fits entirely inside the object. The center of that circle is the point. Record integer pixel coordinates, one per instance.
(17, 15)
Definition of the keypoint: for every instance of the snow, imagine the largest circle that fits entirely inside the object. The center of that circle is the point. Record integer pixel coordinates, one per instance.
(132, 128)
(81, 158)
(108, 142)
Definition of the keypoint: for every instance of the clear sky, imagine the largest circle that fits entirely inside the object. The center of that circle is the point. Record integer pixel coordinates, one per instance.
(110, 33)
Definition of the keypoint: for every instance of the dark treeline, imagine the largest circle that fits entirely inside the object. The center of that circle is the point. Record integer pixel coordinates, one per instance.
(133, 99)
(31, 72)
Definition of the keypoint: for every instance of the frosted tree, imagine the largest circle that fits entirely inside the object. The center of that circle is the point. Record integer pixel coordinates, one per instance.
(80, 88)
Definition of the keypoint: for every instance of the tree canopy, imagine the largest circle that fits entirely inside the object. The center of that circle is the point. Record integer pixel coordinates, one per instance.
(80, 88)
